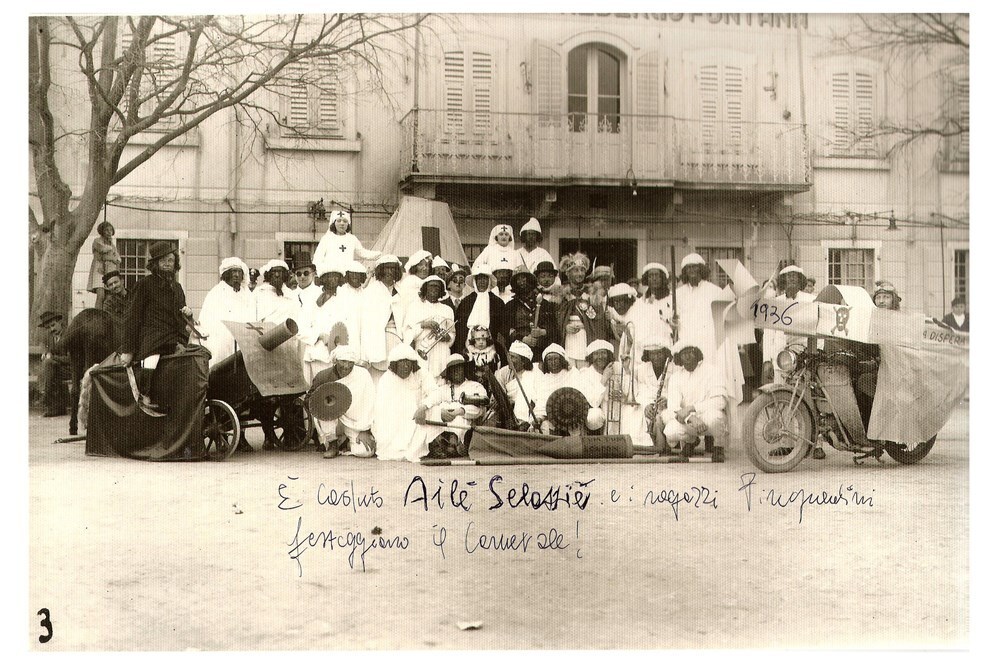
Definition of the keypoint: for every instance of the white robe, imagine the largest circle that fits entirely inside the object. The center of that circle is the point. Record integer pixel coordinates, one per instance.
(701, 389)
(531, 258)
(362, 411)
(528, 379)
(223, 304)
(633, 417)
(308, 295)
(694, 314)
(546, 384)
(496, 256)
(352, 302)
(338, 249)
(591, 384)
(448, 396)
(651, 321)
(775, 341)
(379, 305)
(437, 356)
(276, 309)
(397, 436)
(316, 355)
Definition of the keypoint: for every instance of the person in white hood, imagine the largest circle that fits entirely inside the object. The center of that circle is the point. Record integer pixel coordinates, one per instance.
(230, 300)
(382, 316)
(339, 245)
(500, 252)
(403, 396)
(696, 402)
(531, 252)
(357, 420)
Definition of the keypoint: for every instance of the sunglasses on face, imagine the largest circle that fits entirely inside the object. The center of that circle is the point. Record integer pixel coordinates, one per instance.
(303, 273)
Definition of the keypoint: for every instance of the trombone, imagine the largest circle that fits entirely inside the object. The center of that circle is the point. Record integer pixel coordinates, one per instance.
(614, 395)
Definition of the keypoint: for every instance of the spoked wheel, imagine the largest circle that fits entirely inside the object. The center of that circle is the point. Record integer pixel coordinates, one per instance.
(908, 454)
(221, 429)
(775, 438)
(291, 424)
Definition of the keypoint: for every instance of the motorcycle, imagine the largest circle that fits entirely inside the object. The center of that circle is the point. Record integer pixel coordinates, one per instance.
(818, 405)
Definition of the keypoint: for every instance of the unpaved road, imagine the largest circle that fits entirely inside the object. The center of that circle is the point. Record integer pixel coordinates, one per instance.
(132, 555)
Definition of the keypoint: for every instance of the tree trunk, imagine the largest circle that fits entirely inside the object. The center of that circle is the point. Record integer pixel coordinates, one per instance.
(53, 281)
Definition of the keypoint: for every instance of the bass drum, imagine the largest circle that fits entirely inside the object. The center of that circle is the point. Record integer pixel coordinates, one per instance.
(907, 454)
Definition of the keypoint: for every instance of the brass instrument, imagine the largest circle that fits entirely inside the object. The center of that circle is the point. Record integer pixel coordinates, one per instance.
(615, 396)
(656, 435)
(425, 342)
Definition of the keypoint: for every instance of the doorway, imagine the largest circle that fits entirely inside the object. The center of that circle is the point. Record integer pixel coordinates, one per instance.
(621, 254)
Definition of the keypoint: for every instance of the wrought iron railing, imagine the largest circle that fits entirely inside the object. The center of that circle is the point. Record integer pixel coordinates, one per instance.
(596, 148)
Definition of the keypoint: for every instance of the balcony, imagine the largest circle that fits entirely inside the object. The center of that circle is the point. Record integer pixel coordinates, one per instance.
(585, 149)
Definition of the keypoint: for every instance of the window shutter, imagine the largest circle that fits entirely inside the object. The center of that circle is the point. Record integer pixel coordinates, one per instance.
(732, 100)
(841, 110)
(548, 86)
(454, 90)
(864, 102)
(708, 103)
(297, 100)
(328, 93)
(647, 99)
(960, 152)
(482, 91)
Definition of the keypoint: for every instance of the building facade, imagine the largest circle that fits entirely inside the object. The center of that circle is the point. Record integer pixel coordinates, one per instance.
(733, 135)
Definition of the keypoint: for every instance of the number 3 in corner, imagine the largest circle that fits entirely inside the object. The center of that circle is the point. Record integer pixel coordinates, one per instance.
(46, 623)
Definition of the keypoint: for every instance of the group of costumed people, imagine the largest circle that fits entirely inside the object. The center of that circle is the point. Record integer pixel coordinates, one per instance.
(430, 349)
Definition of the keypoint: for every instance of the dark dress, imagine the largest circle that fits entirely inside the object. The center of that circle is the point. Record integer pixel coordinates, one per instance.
(597, 327)
(153, 320)
(520, 315)
(949, 319)
(497, 326)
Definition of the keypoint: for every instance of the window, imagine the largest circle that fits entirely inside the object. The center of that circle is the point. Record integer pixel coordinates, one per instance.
(852, 109)
(160, 63)
(472, 251)
(718, 276)
(293, 248)
(594, 76)
(468, 92)
(962, 273)
(957, 147)
(721, 107)
(851, 266)
(311, 104)
(135, 255)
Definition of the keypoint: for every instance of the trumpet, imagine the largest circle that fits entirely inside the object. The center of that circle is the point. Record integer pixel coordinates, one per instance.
(615, 396)
(425, 342)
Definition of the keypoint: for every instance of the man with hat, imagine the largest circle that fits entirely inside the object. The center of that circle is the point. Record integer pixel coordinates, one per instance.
(357, 419)
(621, 300)
(532, 319)
(592, 381)
(601, 279)
(456, 287)
(886, 296)
(382, 316)
(480, 307)
(429, 325)
(115, 301)
(403, 395)
(548, 281)
(316, 329)
(790, 283)
(653, 314)
(55, 370)
(351, 300)
(417, 267)
(695, 295)
(556, 372)
(696, 403)
(501, 278)
(156, 319)
(305, 275)
(459, 403)
(531, 252)
(229, 300)
(958, 318)
(274, 304)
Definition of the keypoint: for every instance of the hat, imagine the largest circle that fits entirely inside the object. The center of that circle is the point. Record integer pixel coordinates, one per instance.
(621, 289)
(958, 300)
(455, 269)
(573, 261)
(597, 345)
(504, 268)
(161, 249)
(111, 274)
(335, 215)
(454, 359)
(481, 270)
(601, 271)
(555, 348)
(387, 259)
(416, 258)
(402, 351)
(790, 269)
(226, 264)
(531, 226)
(655, 266)
(683, 344)
(354, 266)
(302, 260)
(521, 349)
(545, 265)
(649, 347)
(273, 264)
(693, 258)
(522, 270)
(47, 317)
(439, 263)
(345, 353)
(430, 279)
(329, 266)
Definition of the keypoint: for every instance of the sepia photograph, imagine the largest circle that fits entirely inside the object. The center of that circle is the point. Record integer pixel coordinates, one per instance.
(489, 331)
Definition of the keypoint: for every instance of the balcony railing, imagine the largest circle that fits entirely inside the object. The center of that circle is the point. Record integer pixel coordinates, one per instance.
(468, 145)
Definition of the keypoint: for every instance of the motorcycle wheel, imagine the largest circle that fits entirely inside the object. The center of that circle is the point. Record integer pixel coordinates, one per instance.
(769, 450)
(907, 454)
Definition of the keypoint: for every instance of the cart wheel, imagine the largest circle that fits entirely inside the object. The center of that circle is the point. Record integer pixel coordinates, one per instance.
(292, 424)
(221, 429)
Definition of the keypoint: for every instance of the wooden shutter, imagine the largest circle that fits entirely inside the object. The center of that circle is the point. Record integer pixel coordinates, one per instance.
(708, 106)
(840, 91)
(482, 91)
(864, 103)
(733, 91)
(454, 91)
(548, 86)
(328, 118)
(959, 145)
(648, 90)
(852, 95)
(297, 97)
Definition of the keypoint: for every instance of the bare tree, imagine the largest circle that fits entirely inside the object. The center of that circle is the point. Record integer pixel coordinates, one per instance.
(942, 40)
(136, 74)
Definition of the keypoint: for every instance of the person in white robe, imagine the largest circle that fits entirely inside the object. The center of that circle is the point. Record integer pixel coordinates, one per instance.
(457, 402)
(555, 373)
(316, 331)
(274, 304)
(382, 316)
(649, 389)
(790, 282)
(350, 297)
(429, 325)
(339, 245)
(621, 300)
(592, 381)
(230, 300)
(356, 422)
(499, 252)
(402, 398)
(531, 252)
(696, 402)
(652, 315)
(418, 267)
(518, 380)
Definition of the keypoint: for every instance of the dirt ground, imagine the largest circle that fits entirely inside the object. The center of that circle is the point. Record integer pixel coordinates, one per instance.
(130, 555)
